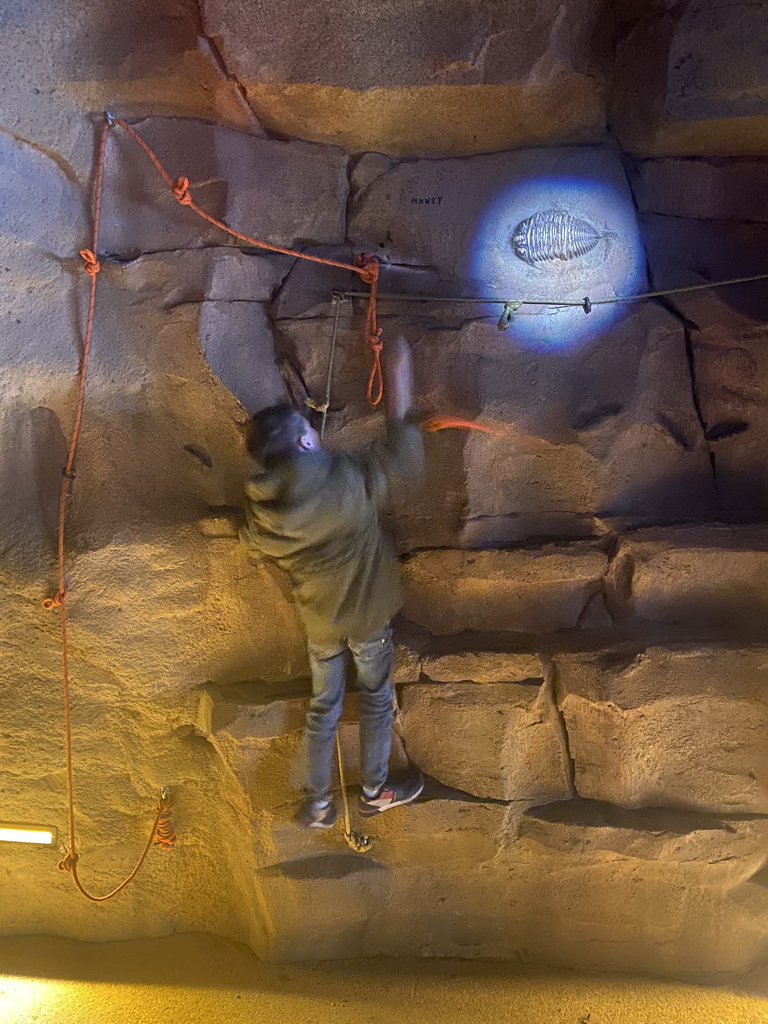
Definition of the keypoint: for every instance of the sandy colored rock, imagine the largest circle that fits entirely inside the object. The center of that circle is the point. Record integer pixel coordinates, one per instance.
(706, 849)
(482, 667)
(692, 80)
(420, 79)
(533, 591)
(672, 726)
(497, 741)
(698, 576)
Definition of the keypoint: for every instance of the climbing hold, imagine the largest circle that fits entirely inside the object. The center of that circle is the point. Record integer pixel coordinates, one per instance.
(587, 305)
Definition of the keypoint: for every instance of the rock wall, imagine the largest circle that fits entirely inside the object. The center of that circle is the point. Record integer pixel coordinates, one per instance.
(582, 654)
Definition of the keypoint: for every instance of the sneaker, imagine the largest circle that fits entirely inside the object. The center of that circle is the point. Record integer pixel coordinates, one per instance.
(315, 815)
(400, 789)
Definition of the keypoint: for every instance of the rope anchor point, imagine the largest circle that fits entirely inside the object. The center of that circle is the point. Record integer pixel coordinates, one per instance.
(508, 314)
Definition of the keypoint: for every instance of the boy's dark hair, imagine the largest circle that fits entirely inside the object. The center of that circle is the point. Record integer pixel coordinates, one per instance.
(272, 433)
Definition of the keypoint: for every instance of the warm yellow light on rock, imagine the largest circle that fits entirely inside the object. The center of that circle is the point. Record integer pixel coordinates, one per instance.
(40, 835)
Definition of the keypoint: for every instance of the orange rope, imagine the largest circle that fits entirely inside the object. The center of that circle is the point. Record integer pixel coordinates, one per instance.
(59, 600)
(454, 423)
(375, 391)
(366, 266)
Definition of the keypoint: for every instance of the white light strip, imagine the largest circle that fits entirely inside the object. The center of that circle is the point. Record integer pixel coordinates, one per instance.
(37, 834)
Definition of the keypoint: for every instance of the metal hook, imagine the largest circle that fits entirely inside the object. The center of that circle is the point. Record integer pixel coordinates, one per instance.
(110, 118)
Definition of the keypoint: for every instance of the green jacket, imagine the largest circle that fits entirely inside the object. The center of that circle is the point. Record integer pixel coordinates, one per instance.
(316, 514)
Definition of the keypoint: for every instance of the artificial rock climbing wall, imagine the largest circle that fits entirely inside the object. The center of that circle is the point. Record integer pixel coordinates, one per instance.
(583, 656)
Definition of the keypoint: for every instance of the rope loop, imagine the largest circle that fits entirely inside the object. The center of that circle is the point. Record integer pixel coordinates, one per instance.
(181, 193)
(91, 264)
(368, 268)
(56, 601)
(69, 863)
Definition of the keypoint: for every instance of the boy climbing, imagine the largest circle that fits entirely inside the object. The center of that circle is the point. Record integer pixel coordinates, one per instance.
(316, 514)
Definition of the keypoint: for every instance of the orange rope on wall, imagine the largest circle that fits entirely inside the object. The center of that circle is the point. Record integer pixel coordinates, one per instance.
(365, 266)
(162, 832)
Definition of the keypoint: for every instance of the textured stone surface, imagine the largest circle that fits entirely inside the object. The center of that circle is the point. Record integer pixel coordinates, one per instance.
(482, 667)
(132, 59)
(543, 896)
(706, 189)
(263, 188)
(692, 79)
(420, 78)
(476, 204)
(697, 576)
(672, 727)
(516, 591)
(727, 332)
(496, 741)
(706, 849)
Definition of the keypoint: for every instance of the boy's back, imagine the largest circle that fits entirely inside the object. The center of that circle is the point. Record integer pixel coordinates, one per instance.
(317, 515)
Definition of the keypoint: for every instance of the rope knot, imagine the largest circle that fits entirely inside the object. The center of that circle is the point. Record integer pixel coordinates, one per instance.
(56, 601)
(165, 837)
(69, 863)
(91, 264)
(368, 268)
(181, 192)
(374, 340)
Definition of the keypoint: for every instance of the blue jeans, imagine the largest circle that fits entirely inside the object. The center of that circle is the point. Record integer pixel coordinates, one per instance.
(373, 660)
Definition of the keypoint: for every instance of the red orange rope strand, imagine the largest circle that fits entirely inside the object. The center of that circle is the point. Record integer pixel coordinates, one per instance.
(59, 599)
(366, 267)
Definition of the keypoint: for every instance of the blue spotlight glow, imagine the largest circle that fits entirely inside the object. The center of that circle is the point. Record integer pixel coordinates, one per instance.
(560, 237)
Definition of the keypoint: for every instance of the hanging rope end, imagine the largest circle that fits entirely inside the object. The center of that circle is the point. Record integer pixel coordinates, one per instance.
(358, 842)
(165, 837)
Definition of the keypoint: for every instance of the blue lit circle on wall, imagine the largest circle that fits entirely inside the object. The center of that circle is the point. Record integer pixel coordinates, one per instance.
(559, 238)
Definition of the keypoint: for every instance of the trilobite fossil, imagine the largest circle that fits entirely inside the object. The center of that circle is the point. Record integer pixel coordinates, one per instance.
(555, 235)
